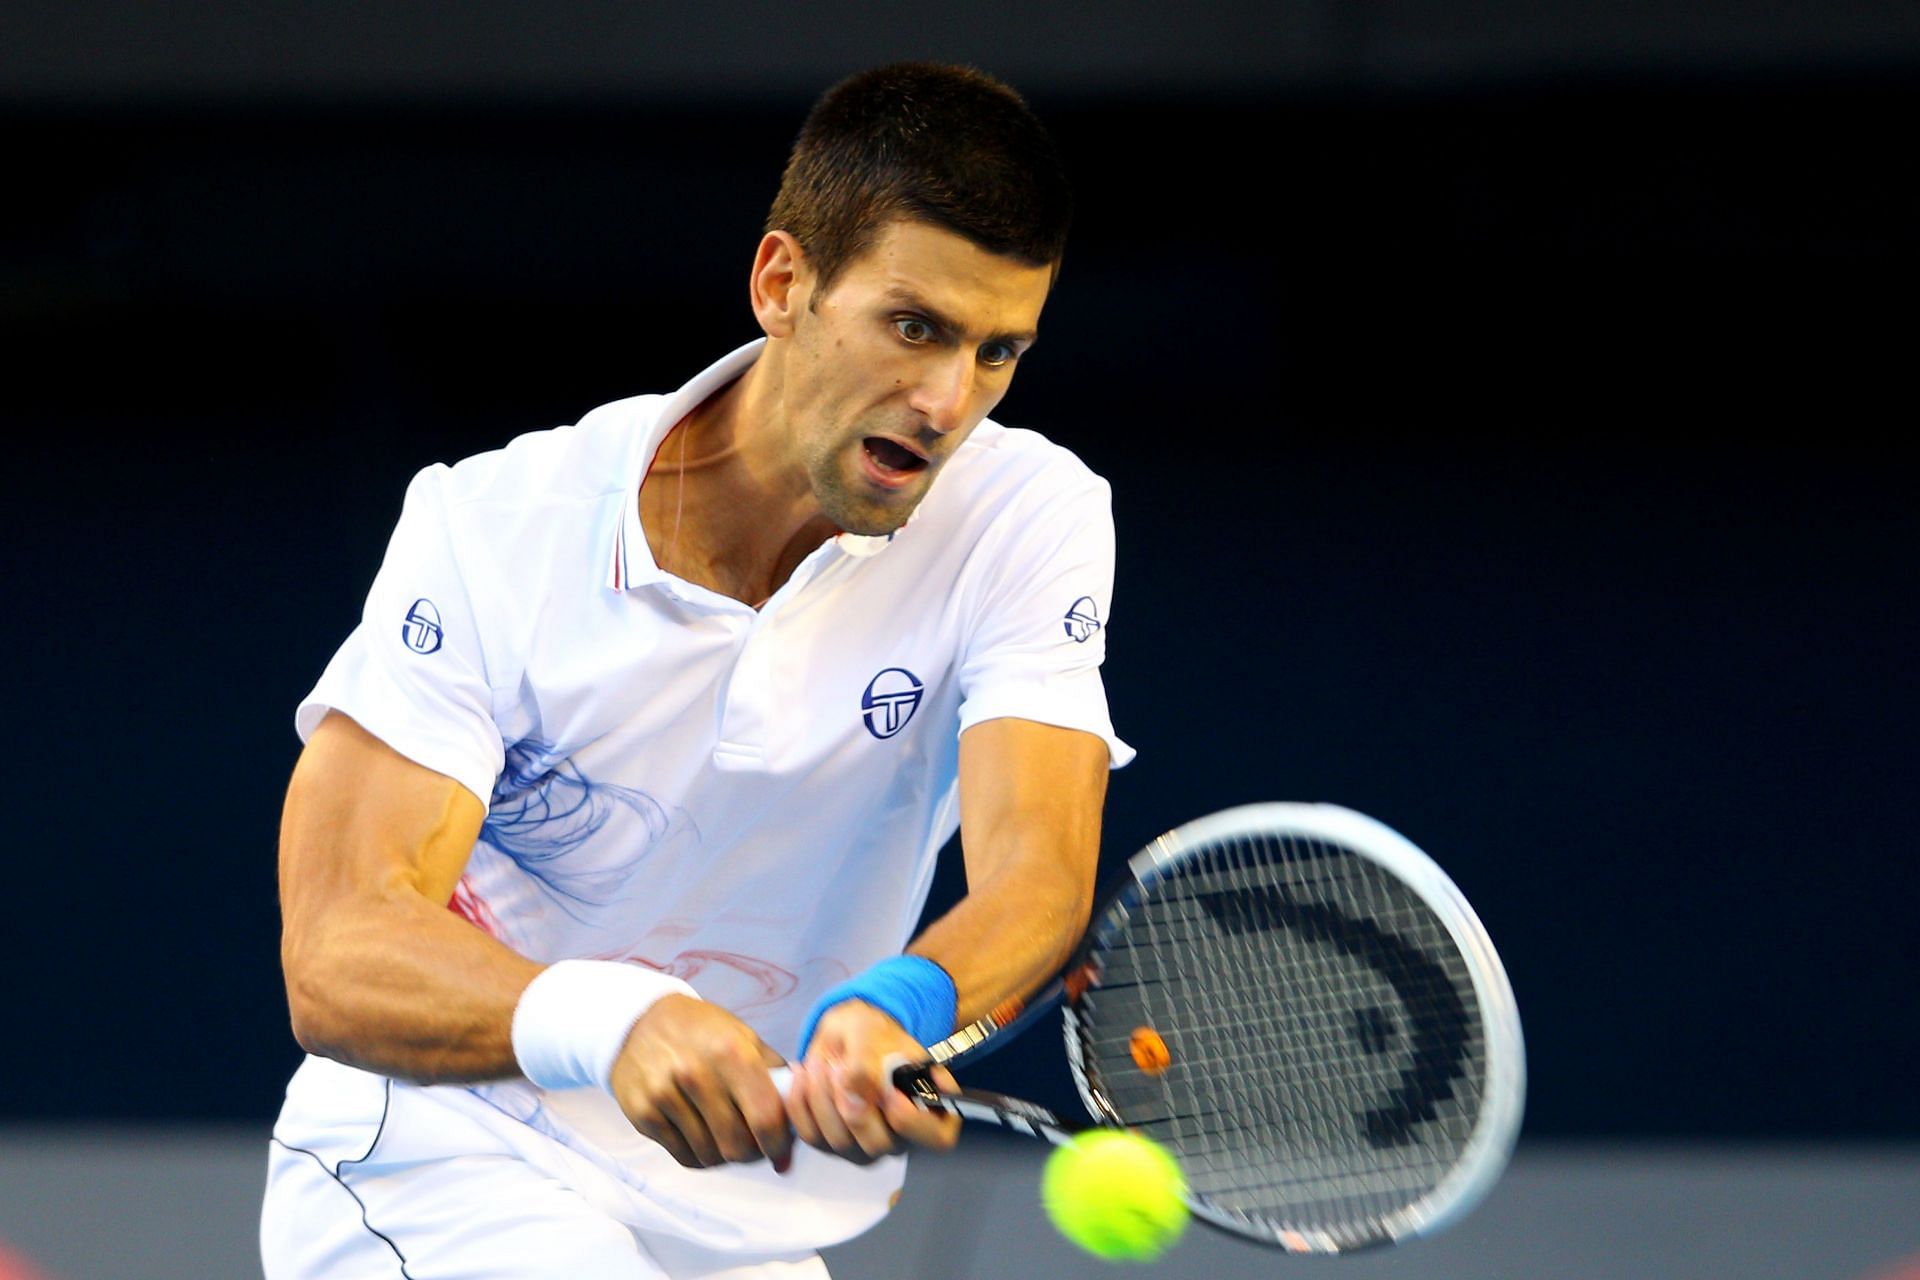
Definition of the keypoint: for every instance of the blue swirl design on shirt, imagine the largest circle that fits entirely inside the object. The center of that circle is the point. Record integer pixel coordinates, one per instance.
(544, 808)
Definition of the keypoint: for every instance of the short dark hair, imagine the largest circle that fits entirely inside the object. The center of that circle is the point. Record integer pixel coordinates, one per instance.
(946, 145)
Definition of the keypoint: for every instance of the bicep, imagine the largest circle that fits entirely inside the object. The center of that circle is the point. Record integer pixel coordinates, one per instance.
(362, 822)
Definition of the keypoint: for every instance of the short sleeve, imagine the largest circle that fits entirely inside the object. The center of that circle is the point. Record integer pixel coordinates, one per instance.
(1039, 631)
(414, 672)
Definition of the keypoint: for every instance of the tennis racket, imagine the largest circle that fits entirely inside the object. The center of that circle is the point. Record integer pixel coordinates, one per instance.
(1300, 1006)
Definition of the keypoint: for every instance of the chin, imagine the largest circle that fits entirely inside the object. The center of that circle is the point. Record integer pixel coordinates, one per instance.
(858, 514)
(869, 522)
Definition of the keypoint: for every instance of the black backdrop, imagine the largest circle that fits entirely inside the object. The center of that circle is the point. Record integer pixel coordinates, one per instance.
(1524, 465)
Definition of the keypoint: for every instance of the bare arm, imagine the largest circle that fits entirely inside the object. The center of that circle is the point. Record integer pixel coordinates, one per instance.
(379, 973)
(1030, 801)
(382, 976)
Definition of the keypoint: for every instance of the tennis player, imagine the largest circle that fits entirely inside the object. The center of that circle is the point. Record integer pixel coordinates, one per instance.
(629, 785)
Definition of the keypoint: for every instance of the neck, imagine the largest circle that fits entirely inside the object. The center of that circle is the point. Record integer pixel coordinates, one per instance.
(724, 504)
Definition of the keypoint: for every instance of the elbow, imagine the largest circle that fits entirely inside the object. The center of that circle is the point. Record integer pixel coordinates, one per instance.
(308, 1029)
(305, 1017)
(312, 1013)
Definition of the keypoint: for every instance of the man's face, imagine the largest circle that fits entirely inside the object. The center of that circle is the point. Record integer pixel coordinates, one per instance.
(895, 364)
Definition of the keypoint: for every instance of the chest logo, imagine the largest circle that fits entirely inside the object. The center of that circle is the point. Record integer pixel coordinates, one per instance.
(1083, 619)
(421, 630)
(890, 700)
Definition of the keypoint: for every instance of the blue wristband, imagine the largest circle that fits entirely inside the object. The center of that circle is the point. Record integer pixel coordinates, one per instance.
(912, 990)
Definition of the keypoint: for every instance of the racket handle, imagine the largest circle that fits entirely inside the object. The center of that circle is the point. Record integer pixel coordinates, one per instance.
(913, 1079)
(916, 1081)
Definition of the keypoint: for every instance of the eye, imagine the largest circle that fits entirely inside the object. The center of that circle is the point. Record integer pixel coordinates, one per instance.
(913, 329)
(996, 354)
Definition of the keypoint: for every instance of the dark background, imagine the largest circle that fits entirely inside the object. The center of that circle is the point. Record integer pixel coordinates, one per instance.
(1506, 406)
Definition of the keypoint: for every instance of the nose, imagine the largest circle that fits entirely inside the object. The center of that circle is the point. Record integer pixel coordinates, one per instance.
(945, 394)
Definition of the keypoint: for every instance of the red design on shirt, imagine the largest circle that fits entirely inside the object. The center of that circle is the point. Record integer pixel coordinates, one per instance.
(772, 983)
(472, 908)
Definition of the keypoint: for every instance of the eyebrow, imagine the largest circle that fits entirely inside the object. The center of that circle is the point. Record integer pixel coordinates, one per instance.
(914, 302)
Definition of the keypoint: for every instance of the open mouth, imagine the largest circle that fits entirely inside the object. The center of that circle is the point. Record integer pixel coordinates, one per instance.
(892, 458)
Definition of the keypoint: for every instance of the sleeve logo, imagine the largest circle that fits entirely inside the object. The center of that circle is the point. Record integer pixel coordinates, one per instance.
(890, 700)
(1083, 619)
(421, 631)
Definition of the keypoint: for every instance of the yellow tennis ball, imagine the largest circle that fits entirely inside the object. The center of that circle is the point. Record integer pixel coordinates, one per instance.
(1116, 1194)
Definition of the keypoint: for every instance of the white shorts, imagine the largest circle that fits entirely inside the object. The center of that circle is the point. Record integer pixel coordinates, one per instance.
(375, 1177)
(469, 1217)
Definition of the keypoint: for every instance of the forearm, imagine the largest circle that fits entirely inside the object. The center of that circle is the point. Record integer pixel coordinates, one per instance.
(408, 989)
(1006, 937)
(1030, 802)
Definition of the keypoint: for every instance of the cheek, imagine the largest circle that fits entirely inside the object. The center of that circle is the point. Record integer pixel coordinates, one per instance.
(823, 394)
(988, 398)
(995, 383)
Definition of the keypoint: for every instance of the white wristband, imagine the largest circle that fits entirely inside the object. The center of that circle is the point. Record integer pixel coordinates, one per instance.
(575, 1016)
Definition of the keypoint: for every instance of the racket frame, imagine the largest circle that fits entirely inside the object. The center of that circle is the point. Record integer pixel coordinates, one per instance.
(1497, 1127)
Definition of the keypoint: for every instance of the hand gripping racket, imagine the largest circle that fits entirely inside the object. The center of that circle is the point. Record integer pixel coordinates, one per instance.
(1304, 1010)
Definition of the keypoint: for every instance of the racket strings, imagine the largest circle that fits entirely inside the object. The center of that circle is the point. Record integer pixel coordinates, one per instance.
(1342, 1101)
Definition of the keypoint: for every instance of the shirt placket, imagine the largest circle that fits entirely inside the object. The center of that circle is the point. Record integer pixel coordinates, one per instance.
(747, 715)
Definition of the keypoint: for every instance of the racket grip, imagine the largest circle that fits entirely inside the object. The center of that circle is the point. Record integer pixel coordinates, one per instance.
(914, 1080)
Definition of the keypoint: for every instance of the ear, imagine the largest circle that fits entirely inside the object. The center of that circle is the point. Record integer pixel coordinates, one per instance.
(781, 285)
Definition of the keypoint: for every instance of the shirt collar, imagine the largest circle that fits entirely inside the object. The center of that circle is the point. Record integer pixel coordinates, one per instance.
(631, 563)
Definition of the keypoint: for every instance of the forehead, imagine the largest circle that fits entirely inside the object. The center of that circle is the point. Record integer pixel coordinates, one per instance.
(915, 260)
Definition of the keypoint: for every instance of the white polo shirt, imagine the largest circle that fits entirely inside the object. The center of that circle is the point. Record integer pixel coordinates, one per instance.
(751, 800)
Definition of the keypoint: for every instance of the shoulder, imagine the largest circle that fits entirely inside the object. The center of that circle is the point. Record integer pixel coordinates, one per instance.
(541, 510)
(541, 484)
(1001, 468)
(1009, 506)
(541, 470)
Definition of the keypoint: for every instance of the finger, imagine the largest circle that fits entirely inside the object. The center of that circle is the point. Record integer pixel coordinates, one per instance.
(800, 1110)
(683, 1115)
(764, 1113)
(856, 1096)
(858, 1083)
(824, 1110)
(834, 1134)
(716, 1098)
(937, 1128)
(651, 1124)
(921, 1125)
(894, 1065)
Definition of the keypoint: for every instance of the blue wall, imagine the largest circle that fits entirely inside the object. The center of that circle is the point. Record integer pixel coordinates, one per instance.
(1523, 465)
